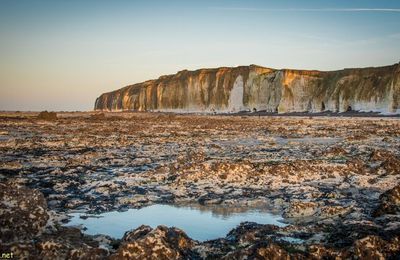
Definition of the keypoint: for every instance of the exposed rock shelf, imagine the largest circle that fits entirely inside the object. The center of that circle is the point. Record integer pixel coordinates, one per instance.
(335, 180)
(258, 88)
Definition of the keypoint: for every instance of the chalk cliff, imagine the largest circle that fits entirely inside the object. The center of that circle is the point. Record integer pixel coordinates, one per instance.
(254, 87)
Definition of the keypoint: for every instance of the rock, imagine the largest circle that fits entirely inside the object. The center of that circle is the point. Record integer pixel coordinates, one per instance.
(262, 250)
(321, 252)
(380, 155)
(19, 250)
(258, 88)
(98, 116)
(44, 115)
(389, 202)
(373, 247)
(369, 247)
(68, 243)
(137, 233)
(23, 219)
(159, 243)
(335, 152)
(250, 232)
(344, 235)
(390, 163)
(23, 213)
(332, 211)
(391, 166)
(300, 209)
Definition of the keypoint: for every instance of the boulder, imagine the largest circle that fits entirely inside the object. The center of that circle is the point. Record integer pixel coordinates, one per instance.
(23, 213)
(159, 243)
(389, 202)
(44, 115)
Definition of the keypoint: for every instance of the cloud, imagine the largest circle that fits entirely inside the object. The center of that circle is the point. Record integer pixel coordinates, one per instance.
(249, 9)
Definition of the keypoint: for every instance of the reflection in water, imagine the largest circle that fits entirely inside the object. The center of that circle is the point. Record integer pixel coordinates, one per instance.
(226, 211)
(198, 222)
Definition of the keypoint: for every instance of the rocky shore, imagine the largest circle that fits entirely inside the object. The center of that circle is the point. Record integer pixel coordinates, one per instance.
(336, 181)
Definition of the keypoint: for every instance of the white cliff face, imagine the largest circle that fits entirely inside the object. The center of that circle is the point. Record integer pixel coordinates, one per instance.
(264, 91)
(369, 90)
(236, 98)
(297, 95)
(254, 87)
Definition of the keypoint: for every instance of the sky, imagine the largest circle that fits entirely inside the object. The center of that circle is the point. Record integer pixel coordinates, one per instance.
(61, 55)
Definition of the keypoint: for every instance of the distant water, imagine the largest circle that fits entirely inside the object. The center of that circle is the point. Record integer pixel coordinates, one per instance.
(200, 223)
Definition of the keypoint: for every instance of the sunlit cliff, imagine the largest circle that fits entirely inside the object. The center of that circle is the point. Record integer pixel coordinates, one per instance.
(258, 88)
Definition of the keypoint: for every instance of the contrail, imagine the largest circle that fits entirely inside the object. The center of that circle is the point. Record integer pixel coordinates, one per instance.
(249, 9)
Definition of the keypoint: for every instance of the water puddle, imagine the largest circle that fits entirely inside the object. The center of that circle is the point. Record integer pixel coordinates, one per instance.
(292, 240)
(200, 223)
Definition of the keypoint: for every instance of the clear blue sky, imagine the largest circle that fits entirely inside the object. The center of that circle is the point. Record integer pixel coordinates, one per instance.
(60, 55)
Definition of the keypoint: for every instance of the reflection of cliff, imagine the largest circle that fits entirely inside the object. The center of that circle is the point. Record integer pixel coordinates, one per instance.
(227, 210)
(254, 87)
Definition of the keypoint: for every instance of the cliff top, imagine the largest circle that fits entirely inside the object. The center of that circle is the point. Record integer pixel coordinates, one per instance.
(257, 68)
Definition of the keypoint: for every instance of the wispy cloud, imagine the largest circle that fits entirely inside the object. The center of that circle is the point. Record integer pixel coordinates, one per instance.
(249, 9)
